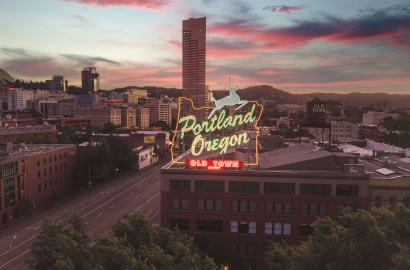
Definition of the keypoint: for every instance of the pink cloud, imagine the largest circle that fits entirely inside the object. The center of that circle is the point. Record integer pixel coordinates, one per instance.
(144, 4)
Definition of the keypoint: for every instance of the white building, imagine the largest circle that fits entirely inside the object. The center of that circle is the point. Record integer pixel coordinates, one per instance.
(375, 118)
(342, 131)
(145, 156)
(17, 99)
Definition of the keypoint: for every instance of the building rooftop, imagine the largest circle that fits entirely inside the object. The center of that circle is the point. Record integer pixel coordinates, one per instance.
(25, 150)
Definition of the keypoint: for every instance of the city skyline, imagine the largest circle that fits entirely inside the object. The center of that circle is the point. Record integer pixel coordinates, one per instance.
(298, 47)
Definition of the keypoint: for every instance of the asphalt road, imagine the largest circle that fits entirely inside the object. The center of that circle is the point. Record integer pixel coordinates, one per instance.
(139, 192)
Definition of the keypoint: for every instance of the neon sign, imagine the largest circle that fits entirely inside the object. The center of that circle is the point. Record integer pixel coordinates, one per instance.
(218, 132)
(214, 164)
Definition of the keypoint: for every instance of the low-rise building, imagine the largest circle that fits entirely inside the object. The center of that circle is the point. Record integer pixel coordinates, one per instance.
(100, 116)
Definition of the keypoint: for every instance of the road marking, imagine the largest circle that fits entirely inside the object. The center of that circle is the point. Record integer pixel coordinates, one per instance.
(29, 228)
(99, 215)
(37, 227)
(112, 206)
(15, 236)
(131, 193)
(122, 199)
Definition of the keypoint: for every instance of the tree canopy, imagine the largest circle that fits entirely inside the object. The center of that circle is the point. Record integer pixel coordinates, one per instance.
(378, 240)
(135, 244)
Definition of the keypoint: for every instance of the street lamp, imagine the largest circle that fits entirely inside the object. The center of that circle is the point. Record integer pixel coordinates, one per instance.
(89, 177)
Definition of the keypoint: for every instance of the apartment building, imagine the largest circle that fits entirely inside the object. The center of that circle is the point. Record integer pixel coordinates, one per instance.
(100, 116)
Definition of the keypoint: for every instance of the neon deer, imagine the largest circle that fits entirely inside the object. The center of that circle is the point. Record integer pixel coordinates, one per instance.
(353, 170)
(230, 100)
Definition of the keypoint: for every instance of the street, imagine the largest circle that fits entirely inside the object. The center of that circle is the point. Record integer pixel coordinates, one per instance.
(138, 192)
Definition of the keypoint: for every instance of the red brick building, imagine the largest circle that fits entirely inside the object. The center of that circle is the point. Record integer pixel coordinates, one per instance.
(82, 122)
(27, 133)
(33, 173)
(275, 201)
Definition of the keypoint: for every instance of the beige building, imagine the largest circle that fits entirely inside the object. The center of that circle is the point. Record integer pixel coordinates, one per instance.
(142, 118)
(100, 116)
(128, 117)
(375, 118)
(159, 111)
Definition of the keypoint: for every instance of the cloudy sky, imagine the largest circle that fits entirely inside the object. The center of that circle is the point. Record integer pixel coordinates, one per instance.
(297, 46)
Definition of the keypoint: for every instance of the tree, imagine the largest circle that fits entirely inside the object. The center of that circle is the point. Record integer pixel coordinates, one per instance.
(159, 247)
(368, 241)
(60, 248)
(109, 128)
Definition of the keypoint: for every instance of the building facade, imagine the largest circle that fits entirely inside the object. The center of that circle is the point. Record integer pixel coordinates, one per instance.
(59, 84)
(194, 63)
(17, 98)
(100, 116)
(245, 209)
(128, 117)
(30, 174)
(142, 118)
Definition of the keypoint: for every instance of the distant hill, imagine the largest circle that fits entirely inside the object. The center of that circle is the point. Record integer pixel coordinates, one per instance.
(5, 76)
(283, 97)
(363, 99)
(261, 91)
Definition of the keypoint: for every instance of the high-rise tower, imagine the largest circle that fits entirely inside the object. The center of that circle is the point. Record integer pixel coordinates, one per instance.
(90, 80)
(193, 63)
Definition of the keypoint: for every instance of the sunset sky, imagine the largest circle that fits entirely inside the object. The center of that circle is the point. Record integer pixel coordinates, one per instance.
(297, 46)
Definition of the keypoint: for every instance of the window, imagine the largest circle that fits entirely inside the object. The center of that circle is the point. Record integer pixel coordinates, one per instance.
(50, 170)
(39, 188)
(65, 165)
(209, 205)
(313, 209)
(208, 185)
(278, 208)
(38, 163)
(347, 190)
(181, 224)
(61, 178)
(392, 201)
(60, 156)
(315, 189)
(55, 157)
(243, 187)
(406, 202)
(243, 206)
(183, 185)
(49, 159)
(8, 170)
(44, 161)
(182, 204)
(38, 174)
(341, 207)
(45, 185)
(55, 168)
(56, 181)
(278, 228)
(279, 188)
(378, 201)
(61, 167)
(45, 172)
(242, 249)
(243, 227)
(209, 225)
(306, 229)
(51, 183)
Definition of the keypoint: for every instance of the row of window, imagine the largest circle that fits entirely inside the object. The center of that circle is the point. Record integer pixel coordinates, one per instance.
(243, 227)
(50, 183)
(51, 170)
(269, 188)
(320, 209)
(50, 159)
(392, 201)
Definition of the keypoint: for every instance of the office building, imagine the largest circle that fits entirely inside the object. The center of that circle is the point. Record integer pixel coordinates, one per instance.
(142, 118)
(86, 101)
(90, 80)
(193, 64)
(59, 84)
(128, 117)
(100, 116)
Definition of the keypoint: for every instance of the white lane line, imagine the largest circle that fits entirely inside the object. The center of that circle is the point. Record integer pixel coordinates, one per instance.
(15, 236)
(29, 228)
(1, 266)
(37, 227)
(122, 199)
(99, 214)
(112, 206)
(132, 193)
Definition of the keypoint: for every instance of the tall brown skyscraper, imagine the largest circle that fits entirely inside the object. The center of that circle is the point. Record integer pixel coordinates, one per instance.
(193, 63)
